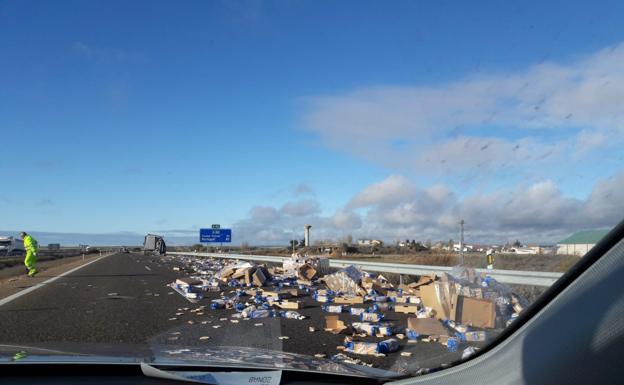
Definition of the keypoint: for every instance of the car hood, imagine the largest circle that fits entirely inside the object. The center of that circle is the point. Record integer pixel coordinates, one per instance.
(205, 357)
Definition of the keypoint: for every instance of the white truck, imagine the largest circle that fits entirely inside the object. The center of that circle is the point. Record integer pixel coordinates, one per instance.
(11, 246)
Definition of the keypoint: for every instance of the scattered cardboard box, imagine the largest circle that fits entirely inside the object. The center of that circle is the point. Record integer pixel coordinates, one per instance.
(406, 308)
(438, 296)
(227, 272)
(272, 295)
(240, 273)
(349, 300)
(367, 283)
(188, 282)
(381, 288)
(306, 272)
(334, 325)
(475, 312)
(427, 327)
(290, 305)
(258, 278)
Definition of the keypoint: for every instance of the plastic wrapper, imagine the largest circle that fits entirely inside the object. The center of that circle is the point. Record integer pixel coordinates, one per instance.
(467, 282)
(346, 281)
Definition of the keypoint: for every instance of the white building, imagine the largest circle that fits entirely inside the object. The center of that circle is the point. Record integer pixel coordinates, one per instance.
(580, 243)
(369, 242)
(466, 247)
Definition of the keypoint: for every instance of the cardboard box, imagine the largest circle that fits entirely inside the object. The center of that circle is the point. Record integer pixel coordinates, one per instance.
(334, 324)
(406, 308)
(306, 272)
(290, 305)
(240, 273)
(439, 297)
(408, 290)
(475, 312)
(381, 288)
(272, 294)
(188, 282)
(402, 299)
(258, 278)
(381, 278)
(367, 283)
(427, 327)
(423, 280)
(349, 300)
(291, 292)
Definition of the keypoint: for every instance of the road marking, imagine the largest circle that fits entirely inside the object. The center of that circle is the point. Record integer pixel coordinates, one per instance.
(148, 268)
(15, 296)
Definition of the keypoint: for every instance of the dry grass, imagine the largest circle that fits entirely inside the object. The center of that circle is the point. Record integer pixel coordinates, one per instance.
(556, 263)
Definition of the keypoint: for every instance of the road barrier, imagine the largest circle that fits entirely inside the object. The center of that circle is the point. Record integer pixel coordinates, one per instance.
(533, 278)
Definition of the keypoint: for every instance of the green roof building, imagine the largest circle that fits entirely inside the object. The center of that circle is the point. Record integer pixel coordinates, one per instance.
(581, 242)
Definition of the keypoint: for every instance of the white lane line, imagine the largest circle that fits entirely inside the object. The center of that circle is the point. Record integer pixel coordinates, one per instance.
(148, 268)
(15, 296)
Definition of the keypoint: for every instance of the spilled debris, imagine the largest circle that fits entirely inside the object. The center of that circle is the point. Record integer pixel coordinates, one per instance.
(459, 311)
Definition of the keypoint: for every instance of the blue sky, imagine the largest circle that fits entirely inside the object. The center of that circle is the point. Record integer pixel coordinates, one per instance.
(159, 116)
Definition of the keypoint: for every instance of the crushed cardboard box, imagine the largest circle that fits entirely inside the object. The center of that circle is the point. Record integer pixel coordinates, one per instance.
(427, 327)
(475, 312)
(306, 272)
(334, 325)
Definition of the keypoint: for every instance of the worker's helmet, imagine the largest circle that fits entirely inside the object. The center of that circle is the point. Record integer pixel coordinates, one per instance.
(23, 234)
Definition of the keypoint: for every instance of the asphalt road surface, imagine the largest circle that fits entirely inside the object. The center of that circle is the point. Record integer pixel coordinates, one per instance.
(121, 305)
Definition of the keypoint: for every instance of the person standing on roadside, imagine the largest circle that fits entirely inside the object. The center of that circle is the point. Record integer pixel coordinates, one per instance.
(31, 246)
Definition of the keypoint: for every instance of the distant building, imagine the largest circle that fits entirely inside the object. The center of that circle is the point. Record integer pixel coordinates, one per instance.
(456, 247)
(369, 242)
(580, 243)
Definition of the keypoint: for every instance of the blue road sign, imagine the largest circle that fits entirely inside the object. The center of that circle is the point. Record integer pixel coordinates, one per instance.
(215, 235)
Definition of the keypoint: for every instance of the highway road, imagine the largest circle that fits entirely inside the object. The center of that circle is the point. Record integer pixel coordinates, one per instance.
(120, 305)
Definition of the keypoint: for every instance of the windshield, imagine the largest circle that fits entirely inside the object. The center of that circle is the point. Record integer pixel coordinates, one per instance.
(361, 188)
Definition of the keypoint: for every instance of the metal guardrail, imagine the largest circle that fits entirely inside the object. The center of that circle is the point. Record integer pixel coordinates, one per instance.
(533, 278)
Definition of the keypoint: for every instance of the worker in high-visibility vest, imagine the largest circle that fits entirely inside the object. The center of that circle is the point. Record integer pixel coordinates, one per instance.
(31, 246)
(490, 259)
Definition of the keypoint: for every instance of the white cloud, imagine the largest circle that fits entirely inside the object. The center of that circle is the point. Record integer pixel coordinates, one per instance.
(430, 127)
(395, 208)
(347, 220)
(263, 214)
(391, 190)
(301, 208)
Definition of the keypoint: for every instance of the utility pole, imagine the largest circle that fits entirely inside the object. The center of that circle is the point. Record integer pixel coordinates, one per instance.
(461, 240)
